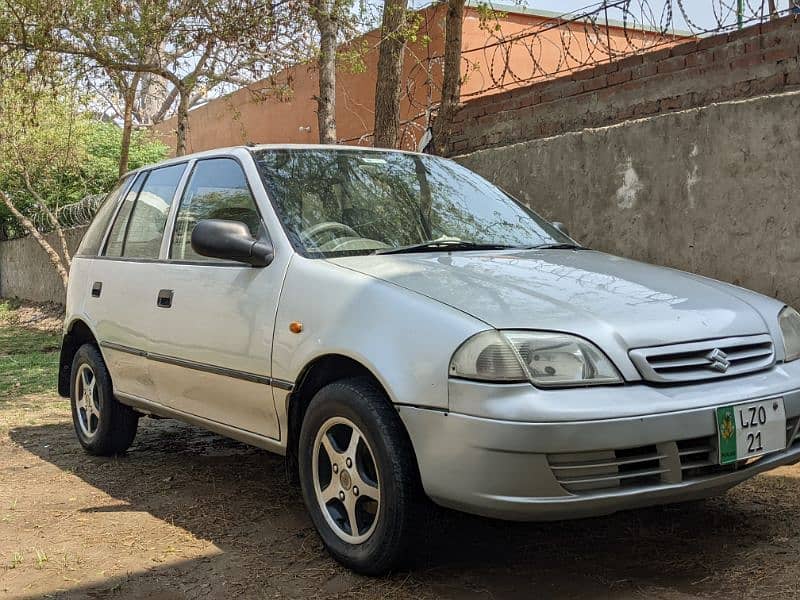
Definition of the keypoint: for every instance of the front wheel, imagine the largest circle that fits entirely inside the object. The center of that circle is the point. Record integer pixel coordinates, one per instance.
(359, 476)
(103, 425)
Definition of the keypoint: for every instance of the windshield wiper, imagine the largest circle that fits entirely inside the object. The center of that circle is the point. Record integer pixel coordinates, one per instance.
(444, 245)
(557, 247)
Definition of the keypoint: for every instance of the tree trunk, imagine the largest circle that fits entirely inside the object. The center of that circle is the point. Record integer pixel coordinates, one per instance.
(55, 259)
(127, 124)
(390, 69)
(50, 216)
(451, 82)
(773, 10)
(183, 122)
(151, 98)
(326, 101)
(59, 232)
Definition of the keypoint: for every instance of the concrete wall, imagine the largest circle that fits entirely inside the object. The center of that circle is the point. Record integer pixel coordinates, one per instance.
(757, 60)
(712, 190)
(26, 271)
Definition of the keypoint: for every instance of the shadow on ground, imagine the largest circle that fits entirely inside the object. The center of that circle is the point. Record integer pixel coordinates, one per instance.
(238, 498)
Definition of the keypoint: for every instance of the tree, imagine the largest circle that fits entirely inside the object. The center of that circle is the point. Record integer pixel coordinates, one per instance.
(134, 100)
(192, 45)
(451, 81)
(327, 14)
(52, 153)
(336, 21)
(127, 88)
(37, 134)
(391, 51)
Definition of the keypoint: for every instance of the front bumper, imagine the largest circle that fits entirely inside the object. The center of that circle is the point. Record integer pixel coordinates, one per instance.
(530, 470)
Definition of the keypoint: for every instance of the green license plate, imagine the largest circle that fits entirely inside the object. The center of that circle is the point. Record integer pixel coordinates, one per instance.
(750, 429)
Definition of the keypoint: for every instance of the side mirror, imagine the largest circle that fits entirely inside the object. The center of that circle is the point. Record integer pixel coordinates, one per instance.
(561, 227)
(230, 240)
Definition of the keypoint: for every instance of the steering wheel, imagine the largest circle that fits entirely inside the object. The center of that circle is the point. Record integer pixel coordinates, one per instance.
(326, 227)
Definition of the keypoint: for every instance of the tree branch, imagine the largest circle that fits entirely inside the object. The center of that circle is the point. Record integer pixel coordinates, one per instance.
(26, 223)
(50, 216)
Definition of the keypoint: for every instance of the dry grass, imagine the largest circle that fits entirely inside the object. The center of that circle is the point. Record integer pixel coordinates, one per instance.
(47, 317)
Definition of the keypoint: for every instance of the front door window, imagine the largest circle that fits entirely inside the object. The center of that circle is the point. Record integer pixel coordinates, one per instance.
(217, 190)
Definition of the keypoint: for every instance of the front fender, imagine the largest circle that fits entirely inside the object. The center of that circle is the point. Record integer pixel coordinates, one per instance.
(405, 339)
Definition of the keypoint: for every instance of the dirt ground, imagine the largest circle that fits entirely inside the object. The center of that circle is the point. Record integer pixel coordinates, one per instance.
(187, 514)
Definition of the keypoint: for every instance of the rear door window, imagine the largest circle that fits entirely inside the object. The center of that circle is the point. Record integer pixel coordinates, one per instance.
(117, 235)
(90, 244)
(149, 215)
(139, 228)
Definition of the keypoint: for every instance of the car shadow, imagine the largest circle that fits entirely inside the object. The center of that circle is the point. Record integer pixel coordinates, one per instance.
(238, 498)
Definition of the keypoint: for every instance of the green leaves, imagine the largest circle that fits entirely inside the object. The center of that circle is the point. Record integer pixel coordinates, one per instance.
(53, 150)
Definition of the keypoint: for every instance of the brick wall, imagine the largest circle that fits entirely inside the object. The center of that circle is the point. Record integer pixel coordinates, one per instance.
(757, 60)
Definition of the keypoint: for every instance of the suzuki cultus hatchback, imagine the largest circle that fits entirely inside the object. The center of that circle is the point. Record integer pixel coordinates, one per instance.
(399, 327)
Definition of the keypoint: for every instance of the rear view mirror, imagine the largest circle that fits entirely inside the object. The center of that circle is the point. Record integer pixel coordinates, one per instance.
(230, 240)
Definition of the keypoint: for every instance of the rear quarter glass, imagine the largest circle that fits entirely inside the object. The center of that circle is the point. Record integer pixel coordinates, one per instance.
(90, 244)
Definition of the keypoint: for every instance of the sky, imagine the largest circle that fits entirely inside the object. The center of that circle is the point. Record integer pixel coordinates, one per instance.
(702, 13)
(688, 15)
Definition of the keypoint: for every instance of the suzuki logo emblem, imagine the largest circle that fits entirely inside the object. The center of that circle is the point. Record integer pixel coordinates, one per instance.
(718, 360)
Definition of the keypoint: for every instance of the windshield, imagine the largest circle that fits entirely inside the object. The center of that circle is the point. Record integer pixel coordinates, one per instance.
(345, 202)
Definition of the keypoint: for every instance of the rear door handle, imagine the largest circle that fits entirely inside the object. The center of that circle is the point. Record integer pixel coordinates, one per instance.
(164, 299)
(97, 288)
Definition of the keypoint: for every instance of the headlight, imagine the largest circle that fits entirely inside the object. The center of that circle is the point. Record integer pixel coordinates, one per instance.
(545, 359)
(789, 320)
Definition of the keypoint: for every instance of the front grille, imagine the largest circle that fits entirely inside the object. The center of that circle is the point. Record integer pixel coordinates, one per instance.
(698, 456)
(709, 359)
(668, 462)
(584, 471)
(696, 453)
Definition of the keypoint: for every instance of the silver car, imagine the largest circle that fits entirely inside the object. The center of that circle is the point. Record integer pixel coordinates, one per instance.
(401, 329)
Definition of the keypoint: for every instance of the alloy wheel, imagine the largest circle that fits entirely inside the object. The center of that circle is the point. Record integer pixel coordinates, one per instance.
(87, 400)
(346, 480)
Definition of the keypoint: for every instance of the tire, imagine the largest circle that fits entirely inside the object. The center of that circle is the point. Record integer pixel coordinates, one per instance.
(105, 427)
(383, 532)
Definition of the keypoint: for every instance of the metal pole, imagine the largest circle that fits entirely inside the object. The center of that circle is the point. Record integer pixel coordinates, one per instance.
(740, 13)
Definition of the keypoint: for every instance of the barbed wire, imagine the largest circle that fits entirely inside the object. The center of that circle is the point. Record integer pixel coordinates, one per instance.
(71, 215)
(602, 33)
(79, 213)
(558, 44)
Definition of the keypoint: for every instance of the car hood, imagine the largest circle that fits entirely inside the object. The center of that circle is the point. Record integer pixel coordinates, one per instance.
(590, 293)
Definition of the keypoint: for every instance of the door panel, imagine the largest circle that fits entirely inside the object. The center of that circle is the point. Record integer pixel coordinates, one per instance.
(121, 313)
(212, 346)
(119, 293)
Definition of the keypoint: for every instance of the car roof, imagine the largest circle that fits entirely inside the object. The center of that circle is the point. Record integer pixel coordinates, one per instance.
(252, 147)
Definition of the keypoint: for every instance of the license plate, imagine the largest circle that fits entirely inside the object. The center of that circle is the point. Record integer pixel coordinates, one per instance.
(749, 430)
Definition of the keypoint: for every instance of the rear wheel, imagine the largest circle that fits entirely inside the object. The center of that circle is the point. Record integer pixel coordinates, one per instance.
(359, 477)
(103, 425)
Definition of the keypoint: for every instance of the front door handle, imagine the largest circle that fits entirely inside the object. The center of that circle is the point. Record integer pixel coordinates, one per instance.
(97, 287)
(164, 299)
